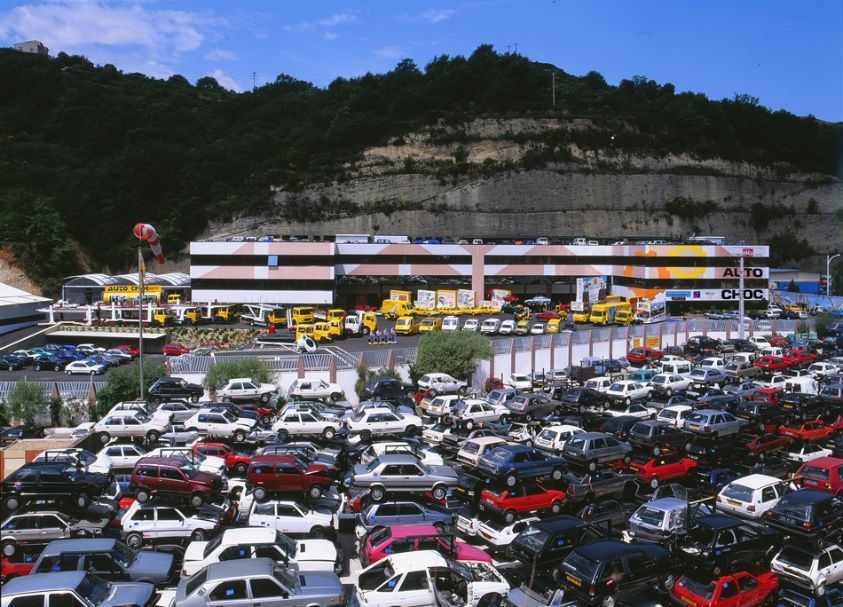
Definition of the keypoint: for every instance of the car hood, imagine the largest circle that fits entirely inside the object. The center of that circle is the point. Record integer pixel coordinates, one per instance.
(320, 583)
(467, 552)
(206, 478)
(315, 550)
(446, 471)
(128, 594)
(151, 565)
(195, 551)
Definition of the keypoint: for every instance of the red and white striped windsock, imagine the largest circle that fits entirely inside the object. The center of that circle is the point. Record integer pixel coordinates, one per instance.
(144, 231)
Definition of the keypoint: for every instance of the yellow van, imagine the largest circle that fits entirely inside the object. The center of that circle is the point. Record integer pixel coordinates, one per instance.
(624, 317)
(581, 316)
(174, 298)
(192, 316)
(393, 308)
(322, 331)
(305, 330)
(553, 325)
(406, 325)
(429, 325)
(522, 327)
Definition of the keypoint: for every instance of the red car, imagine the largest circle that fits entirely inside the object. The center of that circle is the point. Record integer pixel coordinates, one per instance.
(10, 569)
(822, 474)
(131, 350)
(412, 538)
(643, 354)
(237, 462)
(741, 589)
(767, 443)
(283, 473)
(767, 395)
(797, 358)
(770, 363)
(418, 396)
(810, 431)
(778, 341)
(526, 497)
(662, 468)
(493, 383)
(174, 350)
(173, 477)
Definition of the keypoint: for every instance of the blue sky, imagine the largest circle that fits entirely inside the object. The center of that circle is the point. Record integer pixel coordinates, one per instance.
(788, 54)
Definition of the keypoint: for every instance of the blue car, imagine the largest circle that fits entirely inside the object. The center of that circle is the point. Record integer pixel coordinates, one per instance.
(48, 362)
(712, 481)
(512, 462)
(103, 359)
(794, 596)
(387, 514)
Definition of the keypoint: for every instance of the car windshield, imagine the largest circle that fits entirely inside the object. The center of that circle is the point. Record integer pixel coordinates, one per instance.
(697, 418)
(548, 435)
(704, 590)
(793, 509)
(582, 566)
(702, 534)
(380, 535)
(373, 465)
(532, 540)
(189, 470)
(738, 492)
(212, 545)
(287, 579)
(813, 472)
(374, 577)
(668, 414)
(794, 557)
(650, 516)
(93, 589)
(659, 379)
(124, 555)
(616, 388)
(358, 416)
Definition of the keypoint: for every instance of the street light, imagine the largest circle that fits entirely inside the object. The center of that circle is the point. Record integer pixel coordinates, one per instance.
(828, 260)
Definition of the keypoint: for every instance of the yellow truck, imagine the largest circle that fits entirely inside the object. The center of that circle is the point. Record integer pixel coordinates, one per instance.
(553, 325)
(361, 323)
(429, 325)
(604, 313)
(581, 316)
(174, 298)
(624, 317)
(322, 331)
(522, 327)
(299, 315)
(306, 330)
(393, 308)
(407, 325)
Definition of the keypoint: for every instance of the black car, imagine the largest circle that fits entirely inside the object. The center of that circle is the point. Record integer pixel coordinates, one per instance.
(761, 415)
(10, 435)
(610, 568)
(791, 595)
(741, 345)
(771, 465)
(671, 401)
(386, 387)
(588, 421)
(12, 362)
(580, 399)
(34, 481)
(835, 443)
(49, 362)
(701, 344)
(807, 513)
(544, 544)
(531, 406)
(711, 481)
(607, 510)
(619, 426)
(715, 541)
(656, 436)
(175, 388)
(805, 406)
(708, 452)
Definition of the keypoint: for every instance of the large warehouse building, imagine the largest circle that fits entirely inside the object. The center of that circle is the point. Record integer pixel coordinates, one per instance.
(355, 273)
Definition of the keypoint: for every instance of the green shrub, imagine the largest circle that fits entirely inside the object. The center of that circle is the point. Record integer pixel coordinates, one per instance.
(690, 209)
(123, 384)
(452, 352)
(26, 400)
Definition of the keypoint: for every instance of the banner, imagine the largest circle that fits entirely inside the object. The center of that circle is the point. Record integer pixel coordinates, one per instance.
(716, 295)
(591, 290)
(465, 298)
(446, 299)
(426, 299)
(129, 292)
(395, 295)
(499, 297)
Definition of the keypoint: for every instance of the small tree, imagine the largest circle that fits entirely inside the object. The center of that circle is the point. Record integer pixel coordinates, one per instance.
(364, 374)
(26, 400)
(792, 287)
(452, 352)
(821, 322)
(221, 372)
(55, 410)
(122, 384)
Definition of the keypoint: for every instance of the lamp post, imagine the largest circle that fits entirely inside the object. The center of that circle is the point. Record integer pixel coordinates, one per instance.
(828, 260)
(141, 272)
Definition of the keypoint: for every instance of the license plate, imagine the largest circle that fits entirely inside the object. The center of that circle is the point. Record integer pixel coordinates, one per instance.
(688, 601)
(787, 406)
(694, 426)
(634, 468)
(574, 581)
(733, 502)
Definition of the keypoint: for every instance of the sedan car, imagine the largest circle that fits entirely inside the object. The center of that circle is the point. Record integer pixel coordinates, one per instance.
(628, 391)
(85, 367)
(174, 350)
(714, 422)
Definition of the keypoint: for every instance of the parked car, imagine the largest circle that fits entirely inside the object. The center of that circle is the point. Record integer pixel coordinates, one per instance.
(382, 421)
(807, 513)
(716, 541)
(85, 367)
(598, 485)
(403, 512)
(468, 413)
(269, 474)
(246, 389)
(291, 518)
(628, 391)
(158, 523)
(514, 462)
(174, 350)
(220, 423)
(593, 448)
(822, 474)
(654, 471)
(52, 481)
(130, 424)
(399, 539)
(657, 436)
(390, 473)
(818, 568)
(714, 422)
(740, 588)
(508, 502)
(441, 383)
(174, 477)
(75, 588)
(751, 496)
(175, 388)
(553, 438)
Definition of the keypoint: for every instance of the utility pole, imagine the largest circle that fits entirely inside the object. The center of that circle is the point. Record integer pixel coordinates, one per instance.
(254, 80)
(740, 299)
(141, 272)
(553, 88)
(828, 260)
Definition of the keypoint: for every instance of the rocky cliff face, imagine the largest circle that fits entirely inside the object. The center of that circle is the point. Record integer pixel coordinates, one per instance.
(507, 178)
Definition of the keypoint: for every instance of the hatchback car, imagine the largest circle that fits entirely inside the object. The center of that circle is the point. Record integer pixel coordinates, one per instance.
(714, 422)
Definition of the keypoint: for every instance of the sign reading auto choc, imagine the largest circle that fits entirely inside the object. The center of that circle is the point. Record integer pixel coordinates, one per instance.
(717, 294)
(129, 292)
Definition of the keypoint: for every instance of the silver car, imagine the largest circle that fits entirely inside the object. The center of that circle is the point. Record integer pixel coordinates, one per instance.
(38, 527)
(402, 472)
(74, 588)
(258, 582)
(593, 448)
(714, 423)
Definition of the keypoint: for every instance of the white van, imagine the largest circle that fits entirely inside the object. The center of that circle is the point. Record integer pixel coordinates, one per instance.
(579, 241)
(542, 240)
(507, 327)
(600, 384)
(450, 323)
(471, 324)
(802, 385)
(678, 367)
(772, 351)
(490, 326)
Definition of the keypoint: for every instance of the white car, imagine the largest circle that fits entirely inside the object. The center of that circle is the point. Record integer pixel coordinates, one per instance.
(450, 323)
(120, 456)
(490, 326)
(298, 423)
(82, 429)
(824, 369)
(143, 522)
(470, 412)
(760, 341)
(416, 578)
(621, 409)
(467, 524)
(553, 438)
(291, 517)
(820, 569)
(751, 496)
(772, 351)
(627, 391)
(84, 367)
(129, 424)
(498, 534)
(314, 389)
(246, 389)
(518, 381)
(802, 452)
(375, 450)
(440, 406)
(675, 414)
(507, 327)
(713, 362)
(473, 448)
(205, 463)
(380, 420)
(600, 384)
(260, 542)
(776, 381)
(537, 329)
(441, 383)
(220, 423)
(471, 324)
(668, 384)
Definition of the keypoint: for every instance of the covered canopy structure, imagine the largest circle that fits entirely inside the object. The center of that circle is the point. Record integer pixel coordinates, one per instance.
(19, 309)
(92, 288)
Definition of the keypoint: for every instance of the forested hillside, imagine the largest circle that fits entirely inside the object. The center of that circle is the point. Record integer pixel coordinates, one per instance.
(87, 151)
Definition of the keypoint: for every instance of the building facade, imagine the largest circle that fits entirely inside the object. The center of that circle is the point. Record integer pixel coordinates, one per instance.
(356, 273)
(32, 46)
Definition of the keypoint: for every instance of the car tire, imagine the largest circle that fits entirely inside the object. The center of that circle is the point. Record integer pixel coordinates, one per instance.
(592, 466)
(511, 479)
(11, 368)
(194, 398)
(627, 401)
(366, 436)
(439, 492)
(315, 492)
(283, 435)
(317, 532)
(441, 528)
(152, 436)
(336, 396)
(556, 474)
(239, 436)
(821, 589)
(462, 390)
(656, 450)
(241, 469)
(509, 517)
(490, 600)
(469, 425)
(260, 494)
(104, 437)
(556, 507)
(762, 427)
(9, 548)
(669, 392)
(68, 373)
(198, 535)
(329, 433)
(197, 500)
(609, 601)
(83, 501)
(377, 494)
(529, 417)
(264, 398)
(432, 393)
(654, 483)
(411, 431)
(266, 420)
(12, 503)
(37, 367)
(668, 581)
(142, 496)
(134, 540)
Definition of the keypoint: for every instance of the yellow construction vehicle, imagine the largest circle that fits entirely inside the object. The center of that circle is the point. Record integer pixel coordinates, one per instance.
(393, 308)
(306, 330)
(322, 331)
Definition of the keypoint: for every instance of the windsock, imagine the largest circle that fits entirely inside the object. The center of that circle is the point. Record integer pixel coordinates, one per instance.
(144, 231)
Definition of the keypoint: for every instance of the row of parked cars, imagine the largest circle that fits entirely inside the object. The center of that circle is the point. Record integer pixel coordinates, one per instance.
(82, 359)
(548, 492)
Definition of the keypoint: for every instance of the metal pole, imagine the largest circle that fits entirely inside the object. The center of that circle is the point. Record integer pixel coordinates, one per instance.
(141, 272)
(828, 260)
(554, 87)
(740, 299)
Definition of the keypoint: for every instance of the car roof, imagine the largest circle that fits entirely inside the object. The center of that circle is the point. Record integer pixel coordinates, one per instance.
(411, 530)
(97, 544)
(43, 582)
(558, 523)
(756, 481)
(709, 411)
(159, 460)
(240, 568)
(808, 496)
(486, 440)
(592, 435)
(398, 458)
(718, 521)
(284, 458)
(666, 503)
(826, 461)
(413, 561)
(603, 549)
(249, 534)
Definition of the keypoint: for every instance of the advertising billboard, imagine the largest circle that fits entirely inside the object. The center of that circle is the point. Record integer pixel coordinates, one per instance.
(397, 295)
(716, 294)
(426, 299)
(446, 300)
(499, 297)
(129, 292)
(465, 298)
(591, 290)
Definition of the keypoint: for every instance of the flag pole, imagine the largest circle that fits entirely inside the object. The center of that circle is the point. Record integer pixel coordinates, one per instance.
(141, 272)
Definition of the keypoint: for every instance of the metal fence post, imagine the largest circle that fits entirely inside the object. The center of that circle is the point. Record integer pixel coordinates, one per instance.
(512, 355)
(533, 354)
(301, 367)
(552, 351)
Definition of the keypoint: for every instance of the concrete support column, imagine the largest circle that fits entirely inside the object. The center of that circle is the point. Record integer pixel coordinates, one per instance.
(390, 359)
(705, 327)
(512, 355)
(661, 332)
(332, 370)
(675, 334)
(591, 343)
(533, 354)
(626, 341)
(570, 349)
(478, 274)
(492, 365)
(553, 351)
(301, 367)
